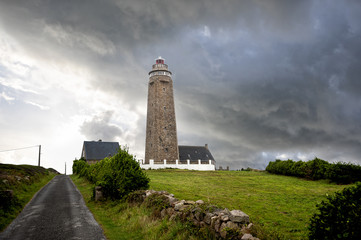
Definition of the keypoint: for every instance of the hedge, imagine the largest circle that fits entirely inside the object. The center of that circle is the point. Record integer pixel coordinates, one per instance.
(342, 173)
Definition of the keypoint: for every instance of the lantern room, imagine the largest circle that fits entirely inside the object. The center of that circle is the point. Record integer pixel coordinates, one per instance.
(159, 60)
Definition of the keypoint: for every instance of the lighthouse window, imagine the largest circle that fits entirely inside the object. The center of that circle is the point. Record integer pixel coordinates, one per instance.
(164, 108)
(163, 89)
(166, 150)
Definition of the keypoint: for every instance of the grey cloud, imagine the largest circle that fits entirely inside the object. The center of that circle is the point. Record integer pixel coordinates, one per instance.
(270, 77)
(101, 128)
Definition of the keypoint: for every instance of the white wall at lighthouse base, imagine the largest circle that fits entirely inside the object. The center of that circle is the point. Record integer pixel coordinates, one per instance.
(199, 166)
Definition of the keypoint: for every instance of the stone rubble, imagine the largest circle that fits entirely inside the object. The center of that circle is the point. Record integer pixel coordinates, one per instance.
(222, 222)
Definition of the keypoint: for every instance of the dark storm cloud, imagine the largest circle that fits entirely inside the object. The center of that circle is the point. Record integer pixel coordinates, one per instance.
(253, 79)
(288, 97)
(101, 128)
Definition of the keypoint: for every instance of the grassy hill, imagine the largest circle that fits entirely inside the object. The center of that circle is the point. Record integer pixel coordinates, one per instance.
(281, 206)
(18, 184)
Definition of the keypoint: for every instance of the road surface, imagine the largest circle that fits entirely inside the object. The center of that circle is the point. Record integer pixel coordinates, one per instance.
(57, 211)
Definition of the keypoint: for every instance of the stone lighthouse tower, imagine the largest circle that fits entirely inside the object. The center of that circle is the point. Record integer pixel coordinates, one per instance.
(161, 134)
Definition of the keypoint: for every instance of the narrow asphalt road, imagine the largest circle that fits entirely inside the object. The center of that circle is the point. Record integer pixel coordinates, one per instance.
(57, 211)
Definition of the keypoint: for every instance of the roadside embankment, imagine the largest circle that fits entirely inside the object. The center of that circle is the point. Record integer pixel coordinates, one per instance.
(18, 184)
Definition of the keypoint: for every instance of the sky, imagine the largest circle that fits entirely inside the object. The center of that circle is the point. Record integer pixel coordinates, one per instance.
(255, 80)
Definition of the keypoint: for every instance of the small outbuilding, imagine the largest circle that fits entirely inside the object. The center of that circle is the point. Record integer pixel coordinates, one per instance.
(94, 151)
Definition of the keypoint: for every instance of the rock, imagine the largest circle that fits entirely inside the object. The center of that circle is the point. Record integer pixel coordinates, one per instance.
(163, 213)
(199, 202)
(247, 236)
(178, 206)
(222, 230)
(172, 200)
(196, 223)
(196, 209)
(213, 221)
(207, 218)
(98, 194)
(232, 225)
(225, 218)
(198, 215)
(239, 217)
(226, 211)
(217, 225)
(249, 226)
(149, 192)
(189, 203)
(175, 216)
(170, 211)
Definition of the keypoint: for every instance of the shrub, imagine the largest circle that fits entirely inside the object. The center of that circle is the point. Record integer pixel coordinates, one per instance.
(118, 175)
(122, 175)
(344, 173)
(339, 216)
(316, 169)
(78, 165)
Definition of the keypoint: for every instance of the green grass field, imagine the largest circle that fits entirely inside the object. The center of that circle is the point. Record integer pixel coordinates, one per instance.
(280, 205)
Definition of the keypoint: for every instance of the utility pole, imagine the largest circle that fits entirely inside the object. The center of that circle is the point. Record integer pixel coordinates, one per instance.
(39, 155)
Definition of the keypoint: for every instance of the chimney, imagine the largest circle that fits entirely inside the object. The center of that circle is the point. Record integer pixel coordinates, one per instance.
(206, 146)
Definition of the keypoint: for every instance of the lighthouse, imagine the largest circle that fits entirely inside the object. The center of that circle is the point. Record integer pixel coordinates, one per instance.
(161, 131)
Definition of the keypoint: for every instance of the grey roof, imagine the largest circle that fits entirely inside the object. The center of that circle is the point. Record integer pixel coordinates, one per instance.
(93, 150)
(194, 153)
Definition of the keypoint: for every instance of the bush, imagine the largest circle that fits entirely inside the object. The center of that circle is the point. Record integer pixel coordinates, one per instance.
(342, 173)
(118, 175)
(339, 216)
(121, 175)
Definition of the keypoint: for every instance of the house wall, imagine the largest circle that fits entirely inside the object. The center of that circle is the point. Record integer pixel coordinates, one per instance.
(92, 161)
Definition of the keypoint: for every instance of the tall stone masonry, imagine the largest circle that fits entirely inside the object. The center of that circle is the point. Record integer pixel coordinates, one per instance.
(161, 133)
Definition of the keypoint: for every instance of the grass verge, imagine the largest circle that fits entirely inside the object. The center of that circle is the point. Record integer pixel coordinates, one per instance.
(280, 206)
(121, 220)
(23, 181)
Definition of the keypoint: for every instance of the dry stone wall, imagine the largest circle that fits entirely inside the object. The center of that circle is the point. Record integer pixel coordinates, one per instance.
(223, 223)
